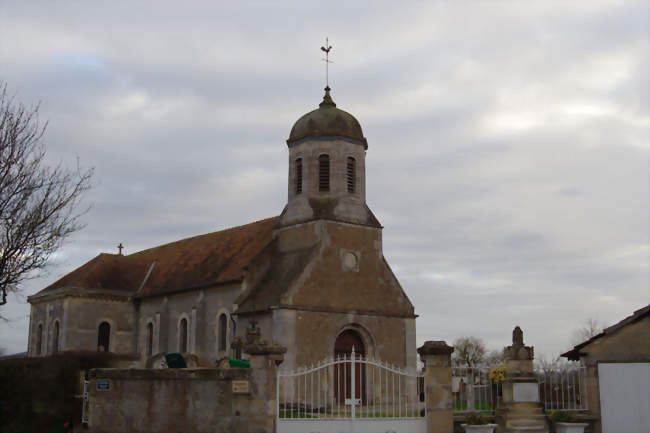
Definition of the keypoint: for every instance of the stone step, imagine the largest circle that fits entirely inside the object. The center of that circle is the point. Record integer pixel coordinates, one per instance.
(528, 429)
(526, 421)
(543, 430)
(525, 415)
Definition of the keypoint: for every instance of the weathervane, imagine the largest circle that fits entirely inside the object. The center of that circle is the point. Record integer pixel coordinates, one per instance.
(327, 61)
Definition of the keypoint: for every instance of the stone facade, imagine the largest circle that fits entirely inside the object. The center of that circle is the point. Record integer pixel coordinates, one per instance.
(78, 316)
(305, 276)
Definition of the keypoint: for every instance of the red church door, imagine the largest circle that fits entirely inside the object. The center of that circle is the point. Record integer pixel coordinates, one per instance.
(343, 372)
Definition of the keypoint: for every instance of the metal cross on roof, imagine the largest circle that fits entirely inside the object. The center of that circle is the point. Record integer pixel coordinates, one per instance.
(327, 61)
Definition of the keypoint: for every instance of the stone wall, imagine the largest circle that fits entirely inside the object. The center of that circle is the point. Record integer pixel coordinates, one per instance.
(189, 400)
(176, 400)
(40, 394)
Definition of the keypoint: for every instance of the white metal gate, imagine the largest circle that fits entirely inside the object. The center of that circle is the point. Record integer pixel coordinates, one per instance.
(351, 394)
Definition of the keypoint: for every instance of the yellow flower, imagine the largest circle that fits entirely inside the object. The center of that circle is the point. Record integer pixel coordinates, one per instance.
(498, 374)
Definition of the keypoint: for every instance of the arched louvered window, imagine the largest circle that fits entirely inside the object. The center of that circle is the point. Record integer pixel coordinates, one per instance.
(182, 346)
(324, 173)
(103, 337)
(299, 176)
(351, 174)
(55, 341)
(149, 339)
(223, 332)
(39, 339)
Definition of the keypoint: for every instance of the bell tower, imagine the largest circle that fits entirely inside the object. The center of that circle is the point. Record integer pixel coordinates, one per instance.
(327, 168)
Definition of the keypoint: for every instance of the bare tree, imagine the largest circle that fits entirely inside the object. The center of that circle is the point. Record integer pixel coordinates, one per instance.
(590, 328)
(495, 357)
(38, 203)
(546, 365)
(468, 351)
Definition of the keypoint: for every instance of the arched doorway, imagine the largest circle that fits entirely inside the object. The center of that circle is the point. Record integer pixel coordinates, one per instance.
(343, 371)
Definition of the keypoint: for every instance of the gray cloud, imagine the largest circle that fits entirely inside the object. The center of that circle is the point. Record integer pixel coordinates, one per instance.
(508, 142)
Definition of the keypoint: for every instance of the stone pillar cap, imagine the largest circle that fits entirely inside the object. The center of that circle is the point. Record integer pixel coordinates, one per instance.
(435, 348)
(264, 348)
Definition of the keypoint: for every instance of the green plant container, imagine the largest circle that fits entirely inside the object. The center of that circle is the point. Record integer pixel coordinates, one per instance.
(238, 363)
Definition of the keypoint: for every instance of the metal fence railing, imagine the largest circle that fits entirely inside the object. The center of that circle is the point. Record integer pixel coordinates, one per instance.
(564, 389)
(473, 390)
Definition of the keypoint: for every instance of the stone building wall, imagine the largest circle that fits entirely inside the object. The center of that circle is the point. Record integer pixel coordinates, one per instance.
(88, 314)
(201, 308)
(333, 280)
(79, 319)
(310, 336)
(630, 343)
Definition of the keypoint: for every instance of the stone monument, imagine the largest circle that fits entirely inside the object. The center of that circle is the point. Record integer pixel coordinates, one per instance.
(521, 410)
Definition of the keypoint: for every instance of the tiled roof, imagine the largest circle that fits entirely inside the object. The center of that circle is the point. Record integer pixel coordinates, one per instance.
(198, 261)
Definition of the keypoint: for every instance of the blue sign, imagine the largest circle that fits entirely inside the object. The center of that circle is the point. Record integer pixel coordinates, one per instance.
(103, 384)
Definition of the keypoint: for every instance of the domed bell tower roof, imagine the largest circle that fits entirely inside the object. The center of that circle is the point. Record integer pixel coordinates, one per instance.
(327, 121)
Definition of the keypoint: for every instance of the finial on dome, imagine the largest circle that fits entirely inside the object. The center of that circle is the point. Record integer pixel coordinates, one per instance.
(327, 99)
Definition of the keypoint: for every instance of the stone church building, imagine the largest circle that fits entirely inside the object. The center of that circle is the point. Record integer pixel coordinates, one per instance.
(314, 277)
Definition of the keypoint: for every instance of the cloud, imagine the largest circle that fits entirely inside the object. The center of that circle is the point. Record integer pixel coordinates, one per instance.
(508, 143)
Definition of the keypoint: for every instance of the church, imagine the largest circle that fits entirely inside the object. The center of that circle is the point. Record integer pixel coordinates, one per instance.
(314, 278)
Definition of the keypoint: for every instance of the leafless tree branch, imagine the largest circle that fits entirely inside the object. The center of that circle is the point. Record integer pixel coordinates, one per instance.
(39, 204)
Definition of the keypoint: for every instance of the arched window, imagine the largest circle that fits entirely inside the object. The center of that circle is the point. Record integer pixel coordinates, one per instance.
(223, 332)
(299, 176)
(149, 339)
(103, 337)
(352, 174)
(324, 173)
(39, 339)
(55, 341)
(182, 343)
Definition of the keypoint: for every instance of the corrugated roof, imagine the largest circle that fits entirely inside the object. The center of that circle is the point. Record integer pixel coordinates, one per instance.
(198, 261)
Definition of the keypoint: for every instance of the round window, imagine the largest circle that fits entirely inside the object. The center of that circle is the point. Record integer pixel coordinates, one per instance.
(349, 261)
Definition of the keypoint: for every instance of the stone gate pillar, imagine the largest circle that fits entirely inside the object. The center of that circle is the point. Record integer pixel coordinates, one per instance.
(436, 356)
(265, 357)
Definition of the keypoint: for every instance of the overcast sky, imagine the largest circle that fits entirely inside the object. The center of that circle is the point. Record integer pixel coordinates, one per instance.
(508, 140)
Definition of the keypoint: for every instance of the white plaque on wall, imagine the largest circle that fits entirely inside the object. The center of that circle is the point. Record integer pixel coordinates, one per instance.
(526, 392)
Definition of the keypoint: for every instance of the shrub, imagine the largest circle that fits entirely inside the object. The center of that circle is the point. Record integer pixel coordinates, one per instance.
(561, 416)
(475, 419)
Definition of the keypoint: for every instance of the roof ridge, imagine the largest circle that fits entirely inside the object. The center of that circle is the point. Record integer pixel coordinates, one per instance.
(142, 252)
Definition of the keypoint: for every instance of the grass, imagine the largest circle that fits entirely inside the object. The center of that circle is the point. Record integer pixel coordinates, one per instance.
(480, 406)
